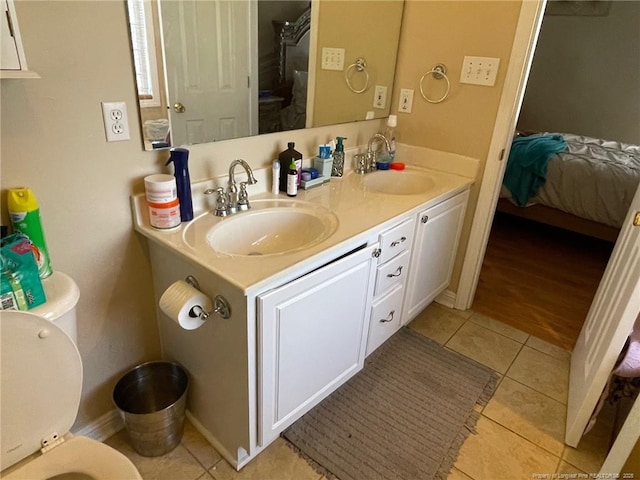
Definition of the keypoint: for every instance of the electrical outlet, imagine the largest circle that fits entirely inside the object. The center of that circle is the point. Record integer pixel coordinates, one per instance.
(406, 100)
(333, 59)
(380, 97)
(480, 71)
(116, 123)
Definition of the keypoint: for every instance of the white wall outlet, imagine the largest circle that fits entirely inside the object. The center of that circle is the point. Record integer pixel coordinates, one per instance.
(380, 97)
(406, 100)
(333, 58)
(116, 122)
(480, 70)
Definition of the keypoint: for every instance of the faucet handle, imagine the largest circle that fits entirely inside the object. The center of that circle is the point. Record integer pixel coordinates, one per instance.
(243, 197)
(222, 207)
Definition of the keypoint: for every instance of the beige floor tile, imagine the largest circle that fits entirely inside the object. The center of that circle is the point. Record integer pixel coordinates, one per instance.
(544, 373)
(485, 346)
(277, 462)
(437, 323)
(548, 348)
(497, 453)
(593, 447)
(199, 447)
(567, 468)
(456, 474)
(530, 414)
(499, 327)
(177, 464)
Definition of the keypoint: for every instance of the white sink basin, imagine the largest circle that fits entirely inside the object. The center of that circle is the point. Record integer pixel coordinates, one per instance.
(398, 182)
(271, 227)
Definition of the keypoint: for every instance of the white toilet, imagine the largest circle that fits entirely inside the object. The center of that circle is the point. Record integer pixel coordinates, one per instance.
(40, 392)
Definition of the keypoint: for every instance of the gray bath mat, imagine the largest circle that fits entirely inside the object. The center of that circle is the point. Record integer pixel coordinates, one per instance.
(403, 417)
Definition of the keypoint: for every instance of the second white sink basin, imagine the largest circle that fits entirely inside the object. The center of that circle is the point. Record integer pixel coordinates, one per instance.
(399, 182)
(271, 227)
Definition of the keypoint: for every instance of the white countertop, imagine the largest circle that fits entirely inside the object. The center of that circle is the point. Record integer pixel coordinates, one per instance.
(360, 213)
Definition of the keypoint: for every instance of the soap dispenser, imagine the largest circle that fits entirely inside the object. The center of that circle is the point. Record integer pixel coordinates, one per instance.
(180, 157)
(337, 169)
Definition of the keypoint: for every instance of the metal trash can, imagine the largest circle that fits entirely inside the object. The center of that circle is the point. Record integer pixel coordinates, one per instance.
(151, 399)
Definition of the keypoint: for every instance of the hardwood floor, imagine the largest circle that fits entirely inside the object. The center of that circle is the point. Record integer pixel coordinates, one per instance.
(540, 279)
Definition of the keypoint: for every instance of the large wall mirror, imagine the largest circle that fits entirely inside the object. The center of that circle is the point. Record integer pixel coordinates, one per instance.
(210, 70)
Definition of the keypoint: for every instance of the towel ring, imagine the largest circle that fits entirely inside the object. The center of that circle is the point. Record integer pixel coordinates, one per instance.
(360, 65)
(438, 72)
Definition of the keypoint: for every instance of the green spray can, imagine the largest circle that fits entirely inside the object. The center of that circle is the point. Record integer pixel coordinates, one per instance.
(25, 218)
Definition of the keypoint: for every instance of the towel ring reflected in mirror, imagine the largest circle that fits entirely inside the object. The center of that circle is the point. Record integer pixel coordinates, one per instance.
(360, 65)
(438, 72)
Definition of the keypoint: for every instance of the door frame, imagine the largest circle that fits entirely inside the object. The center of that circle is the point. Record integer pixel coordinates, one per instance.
(520, 60)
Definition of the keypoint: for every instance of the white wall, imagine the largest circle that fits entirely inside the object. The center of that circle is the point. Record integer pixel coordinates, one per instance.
(586, 76)
(52, 140)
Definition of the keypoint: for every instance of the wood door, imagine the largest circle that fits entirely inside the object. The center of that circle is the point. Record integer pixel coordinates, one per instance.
(312, 339)
(608, 324)
(207, 49)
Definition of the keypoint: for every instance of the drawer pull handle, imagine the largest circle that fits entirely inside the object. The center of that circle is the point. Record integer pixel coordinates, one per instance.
(389, 318)
(397, 274)
(398, 242)
(424, 219)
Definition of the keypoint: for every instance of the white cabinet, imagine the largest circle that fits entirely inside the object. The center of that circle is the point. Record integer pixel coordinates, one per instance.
(433, 253)
(312, 338)
(13, 63)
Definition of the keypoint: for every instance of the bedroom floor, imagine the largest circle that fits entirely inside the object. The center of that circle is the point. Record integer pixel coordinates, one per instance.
(520, 431)
(540, 279)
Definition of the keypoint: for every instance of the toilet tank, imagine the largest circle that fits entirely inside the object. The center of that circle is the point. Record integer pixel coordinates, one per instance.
(62, 297)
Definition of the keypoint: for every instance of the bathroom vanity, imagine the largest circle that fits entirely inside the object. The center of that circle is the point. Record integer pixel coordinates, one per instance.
(314, 284)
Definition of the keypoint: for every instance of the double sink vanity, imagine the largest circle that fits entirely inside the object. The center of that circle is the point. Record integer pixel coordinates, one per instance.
(314, 284)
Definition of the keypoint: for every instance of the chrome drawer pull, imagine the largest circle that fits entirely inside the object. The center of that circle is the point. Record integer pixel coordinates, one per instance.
(397, 274)
(398, 242)
(388, 319)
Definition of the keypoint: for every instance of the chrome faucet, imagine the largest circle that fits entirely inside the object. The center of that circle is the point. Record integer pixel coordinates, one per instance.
(371, 155)
(233, 201)
(240, 201)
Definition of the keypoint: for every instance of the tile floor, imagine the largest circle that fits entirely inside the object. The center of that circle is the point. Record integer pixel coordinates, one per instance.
(519, 434)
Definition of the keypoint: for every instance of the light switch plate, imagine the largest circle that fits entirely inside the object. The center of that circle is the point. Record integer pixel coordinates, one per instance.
(480, 71)
(380, 96)
(406, 100)
(333, 58)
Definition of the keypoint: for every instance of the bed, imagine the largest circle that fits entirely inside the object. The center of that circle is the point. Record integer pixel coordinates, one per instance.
(588, 186)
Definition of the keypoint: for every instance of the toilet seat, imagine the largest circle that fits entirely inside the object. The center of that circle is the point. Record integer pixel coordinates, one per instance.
(87, 456)
(41, 375)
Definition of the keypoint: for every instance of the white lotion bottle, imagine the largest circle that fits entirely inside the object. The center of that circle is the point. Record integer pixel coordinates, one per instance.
(275, 188)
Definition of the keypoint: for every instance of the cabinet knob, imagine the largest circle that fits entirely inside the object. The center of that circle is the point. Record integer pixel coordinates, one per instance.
(397, 274)
(389, 318)
(424, 219)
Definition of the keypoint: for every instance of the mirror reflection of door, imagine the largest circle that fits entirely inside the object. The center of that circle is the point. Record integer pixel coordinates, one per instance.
(208, 44)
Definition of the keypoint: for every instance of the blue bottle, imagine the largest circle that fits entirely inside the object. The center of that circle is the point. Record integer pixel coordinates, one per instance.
(180, 157)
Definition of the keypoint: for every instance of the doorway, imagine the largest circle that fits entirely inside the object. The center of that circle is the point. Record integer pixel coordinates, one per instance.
(540, 278)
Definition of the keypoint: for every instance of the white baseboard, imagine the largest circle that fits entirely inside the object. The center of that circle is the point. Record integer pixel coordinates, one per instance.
(446, 298)
(102, 428)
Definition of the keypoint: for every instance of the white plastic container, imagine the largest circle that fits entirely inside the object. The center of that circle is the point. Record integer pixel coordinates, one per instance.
(160, 188)
(164, 215)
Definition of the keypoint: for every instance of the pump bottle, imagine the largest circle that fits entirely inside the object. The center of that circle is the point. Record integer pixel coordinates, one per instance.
(180, 157)
(337, 169)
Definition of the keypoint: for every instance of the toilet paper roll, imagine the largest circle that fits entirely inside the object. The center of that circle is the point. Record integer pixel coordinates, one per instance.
(178, 300)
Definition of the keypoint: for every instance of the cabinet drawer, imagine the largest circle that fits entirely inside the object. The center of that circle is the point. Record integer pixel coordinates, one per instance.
(396, 240)
(385, 318)
(392, 273)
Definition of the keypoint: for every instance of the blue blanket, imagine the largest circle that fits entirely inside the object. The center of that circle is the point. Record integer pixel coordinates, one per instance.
(527, 165)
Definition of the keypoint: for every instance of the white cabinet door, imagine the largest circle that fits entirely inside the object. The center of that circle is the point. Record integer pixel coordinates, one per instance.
(312, 338)
(9, 58)
(433, 253)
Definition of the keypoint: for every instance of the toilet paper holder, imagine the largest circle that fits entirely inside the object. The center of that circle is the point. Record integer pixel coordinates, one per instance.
(220, 304)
